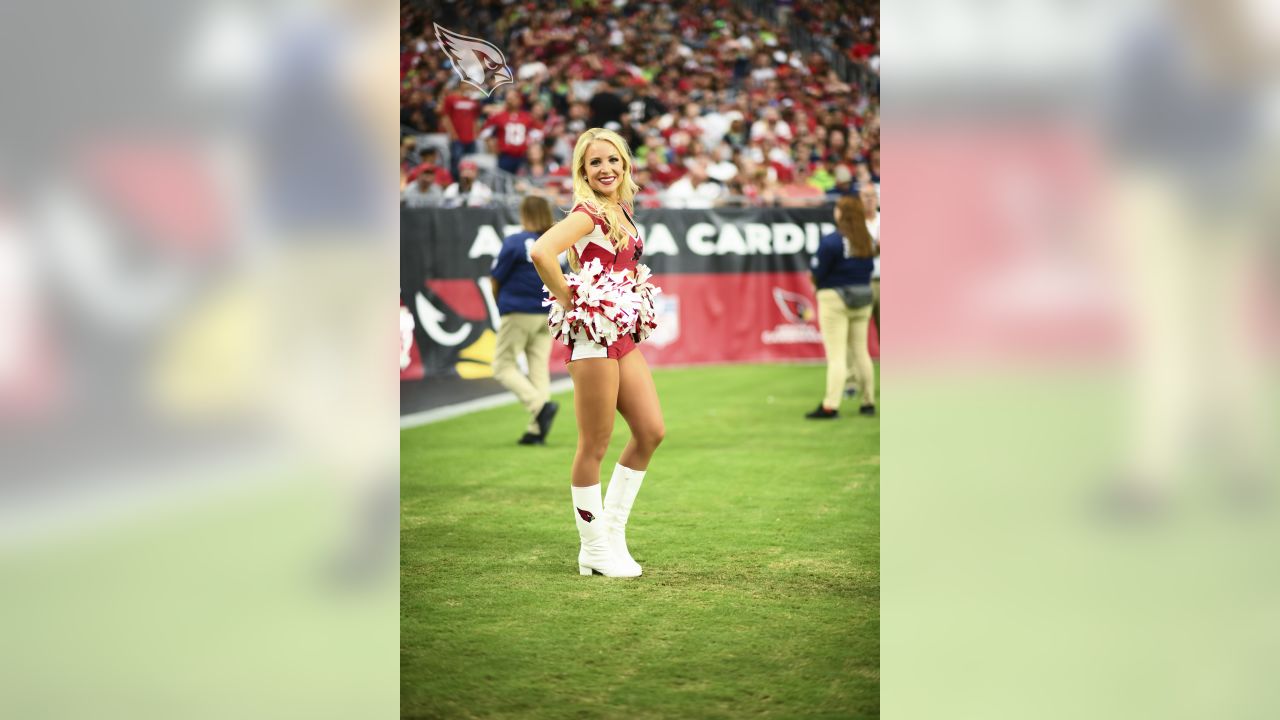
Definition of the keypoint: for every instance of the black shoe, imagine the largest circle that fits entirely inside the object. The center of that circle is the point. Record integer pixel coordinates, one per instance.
(531, 439)
(823, 414)
(850, 392)
(867, 410)
(545, 416)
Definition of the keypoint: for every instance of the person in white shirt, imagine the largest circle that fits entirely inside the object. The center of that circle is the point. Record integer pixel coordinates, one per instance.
(714, 125)
(468, 191)
(695, 189)
(771, 123)
(422, 192)
(764, 70)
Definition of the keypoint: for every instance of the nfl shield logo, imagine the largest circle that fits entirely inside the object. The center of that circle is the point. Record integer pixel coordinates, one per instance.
(668, 319)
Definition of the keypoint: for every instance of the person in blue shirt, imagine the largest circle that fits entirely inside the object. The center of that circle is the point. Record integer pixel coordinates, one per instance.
(523, 327)
(842, 270)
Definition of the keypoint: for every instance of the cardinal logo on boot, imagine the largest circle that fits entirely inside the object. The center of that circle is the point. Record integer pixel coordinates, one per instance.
(586, 515)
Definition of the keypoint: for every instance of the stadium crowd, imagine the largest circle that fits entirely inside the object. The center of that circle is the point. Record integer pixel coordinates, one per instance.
(719, 104)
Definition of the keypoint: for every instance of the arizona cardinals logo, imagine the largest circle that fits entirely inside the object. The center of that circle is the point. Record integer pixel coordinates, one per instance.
(793, 306)
(586, 515)
(477, 62)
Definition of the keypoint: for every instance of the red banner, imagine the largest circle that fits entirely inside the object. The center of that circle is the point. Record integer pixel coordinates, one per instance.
(735, 288)
(742, 317)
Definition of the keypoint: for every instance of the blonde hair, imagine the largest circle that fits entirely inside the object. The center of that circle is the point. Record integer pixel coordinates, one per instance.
(584, 194)
(535, 214)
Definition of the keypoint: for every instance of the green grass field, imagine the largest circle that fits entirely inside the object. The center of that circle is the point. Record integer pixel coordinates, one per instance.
(758, 531)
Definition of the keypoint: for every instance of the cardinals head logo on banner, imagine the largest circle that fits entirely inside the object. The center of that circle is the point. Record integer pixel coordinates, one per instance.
(477, 62)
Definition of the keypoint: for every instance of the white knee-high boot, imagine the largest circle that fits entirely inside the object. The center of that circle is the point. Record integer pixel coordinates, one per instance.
(595, 553)
(619, 498)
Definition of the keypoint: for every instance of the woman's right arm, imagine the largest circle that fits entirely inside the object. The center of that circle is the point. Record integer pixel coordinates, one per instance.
(547, 249)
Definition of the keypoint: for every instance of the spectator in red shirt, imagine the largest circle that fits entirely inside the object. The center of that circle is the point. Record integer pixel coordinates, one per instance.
(513, 127)
(459, 121)
(865, 48)
(429, 166)
(546, 124)
(658, 163)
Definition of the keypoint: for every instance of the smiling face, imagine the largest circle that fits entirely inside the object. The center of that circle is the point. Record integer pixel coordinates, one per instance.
(605, 167)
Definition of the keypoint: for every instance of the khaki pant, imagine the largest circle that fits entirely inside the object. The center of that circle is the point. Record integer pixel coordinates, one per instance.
(844, 335)
(525, 333)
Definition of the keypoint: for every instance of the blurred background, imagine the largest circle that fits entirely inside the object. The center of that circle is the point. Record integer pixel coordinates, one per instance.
(198, 264)
(1081, 474)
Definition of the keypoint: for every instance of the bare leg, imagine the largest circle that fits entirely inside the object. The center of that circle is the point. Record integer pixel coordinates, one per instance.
(638, 403)
(595, 400)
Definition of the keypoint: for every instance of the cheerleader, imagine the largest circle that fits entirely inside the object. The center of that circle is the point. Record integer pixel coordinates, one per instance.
(601, 311)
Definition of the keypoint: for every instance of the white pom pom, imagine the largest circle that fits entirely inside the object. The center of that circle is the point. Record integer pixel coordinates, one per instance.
(606, 305)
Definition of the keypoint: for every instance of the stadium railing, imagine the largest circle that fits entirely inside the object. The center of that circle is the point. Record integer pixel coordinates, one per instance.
(509, 190)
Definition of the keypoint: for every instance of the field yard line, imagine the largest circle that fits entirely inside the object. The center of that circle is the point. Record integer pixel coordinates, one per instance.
(427, 417)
